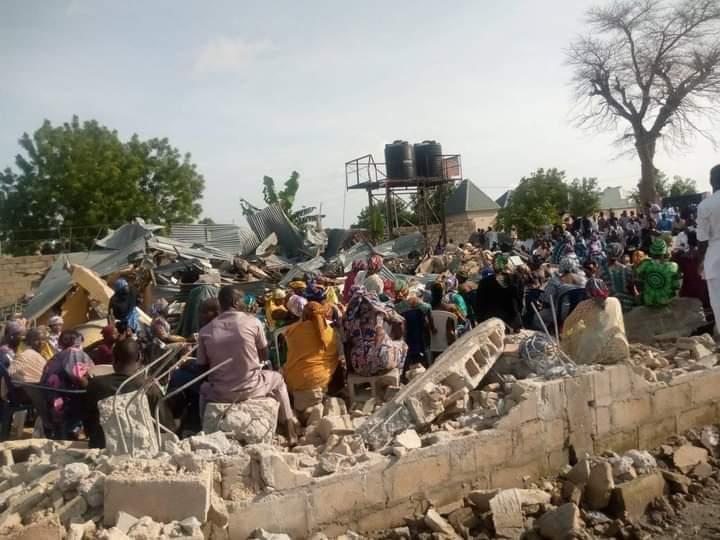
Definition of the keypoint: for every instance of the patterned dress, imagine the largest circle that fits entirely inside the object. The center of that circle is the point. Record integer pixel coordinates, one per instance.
(372, 350)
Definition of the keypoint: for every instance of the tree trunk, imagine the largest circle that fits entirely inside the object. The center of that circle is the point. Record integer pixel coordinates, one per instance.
(645, 146)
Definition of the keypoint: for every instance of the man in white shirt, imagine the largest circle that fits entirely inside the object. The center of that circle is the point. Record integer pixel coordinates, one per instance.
(708, 235)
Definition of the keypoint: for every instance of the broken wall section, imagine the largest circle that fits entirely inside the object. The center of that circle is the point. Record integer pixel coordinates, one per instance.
(599, 410)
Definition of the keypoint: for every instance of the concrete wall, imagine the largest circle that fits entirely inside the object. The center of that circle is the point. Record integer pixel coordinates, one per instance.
(19, 274)
(609, 409)
(459, 228)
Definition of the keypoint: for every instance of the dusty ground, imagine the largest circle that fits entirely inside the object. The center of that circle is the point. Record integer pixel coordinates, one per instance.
(698, 516)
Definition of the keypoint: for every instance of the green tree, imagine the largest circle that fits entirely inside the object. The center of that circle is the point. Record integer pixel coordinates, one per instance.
(682, 186)
(206, 221)
(405, 216)
(72, 182)
(372, 219)
(540, 199)
(583, 197)
(435, 205)
(285, 198)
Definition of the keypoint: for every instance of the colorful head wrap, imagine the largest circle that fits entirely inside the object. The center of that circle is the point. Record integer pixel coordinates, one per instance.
(597, 290)
(120, 285)
(55, 319)
(451, 284)
(297, 285)
(500, 262)
(278, 294)
(108, 331)
(296, 304)
(358, 265)
(315, 312)
(375, 263)
(315, 292)
(13, 328)
(401, 289)
(658, 248)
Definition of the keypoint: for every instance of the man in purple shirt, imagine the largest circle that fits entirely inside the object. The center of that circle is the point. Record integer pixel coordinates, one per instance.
(241, 337)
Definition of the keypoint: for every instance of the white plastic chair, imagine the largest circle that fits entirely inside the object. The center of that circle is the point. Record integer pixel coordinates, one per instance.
(438, 340)
(102, 369)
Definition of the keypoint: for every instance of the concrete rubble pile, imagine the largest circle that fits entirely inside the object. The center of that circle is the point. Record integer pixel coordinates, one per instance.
(673, 357)
(635, 495)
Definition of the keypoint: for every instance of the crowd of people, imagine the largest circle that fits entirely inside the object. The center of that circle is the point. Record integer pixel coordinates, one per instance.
(299, 344)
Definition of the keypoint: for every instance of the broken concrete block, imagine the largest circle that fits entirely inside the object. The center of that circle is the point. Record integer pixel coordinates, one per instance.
(335, 425)
(334, 407)
(623, 469)
(408, 439)
(678, 483)
(262, 534)
(71, 510)
(125, 521)
(47, 529)
(217, 442)
(580, 473)
(559, 523)
(506, 508)
(571, 492)
(462, 520)
(687, 457)
(702, 471)
(414, 371)
(635, 496)
(480, 498)
(277, 474)
(250, 422)
(437, 523)
(681, 318)
(82, 531)
(470, 358)
(145, 528)
(72, 474)
(92, 488)
(111, 534)
(133, 424)
(642, 460)
(304, 399)
(599, 487)
(161, 496)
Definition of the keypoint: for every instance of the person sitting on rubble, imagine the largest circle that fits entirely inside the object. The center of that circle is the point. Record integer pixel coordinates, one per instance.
(369, 348)
(418, 323)
(659, 279)
(103, 353)
(122, 310)
(373, 282)
(55, 326)
(358, 266)
(312, 356)
(160, 327)
(67, 370)
(126, 362)
(240, 338)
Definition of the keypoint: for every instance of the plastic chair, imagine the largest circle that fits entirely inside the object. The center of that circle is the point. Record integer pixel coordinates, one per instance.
(439, 340)
(16, 401)
(39, 394)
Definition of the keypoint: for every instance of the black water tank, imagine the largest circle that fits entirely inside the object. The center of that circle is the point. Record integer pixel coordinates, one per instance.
(400, 160)
(428, 159)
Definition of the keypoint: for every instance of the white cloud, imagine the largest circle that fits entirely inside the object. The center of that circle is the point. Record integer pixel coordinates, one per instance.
(225, 54)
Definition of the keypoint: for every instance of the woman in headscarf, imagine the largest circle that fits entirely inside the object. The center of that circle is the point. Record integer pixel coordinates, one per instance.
(122, 312)
(418, 322)
(67, 370)
(55, 324)
(276, 313)
(658, 277)
(452, 296)
(495, 299)
(103, 353)
(10, 342)
(373, 282)
(369, 348)
(160, 326)
(312, 355)
(357, 266)
(594, 332)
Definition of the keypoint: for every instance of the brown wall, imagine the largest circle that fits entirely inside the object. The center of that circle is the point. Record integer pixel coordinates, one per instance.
(18, 275)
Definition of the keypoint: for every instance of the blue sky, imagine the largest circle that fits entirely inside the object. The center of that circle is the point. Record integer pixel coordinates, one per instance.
(255, 88)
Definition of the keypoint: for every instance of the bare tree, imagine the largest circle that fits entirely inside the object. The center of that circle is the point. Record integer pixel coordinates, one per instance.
(652, 69)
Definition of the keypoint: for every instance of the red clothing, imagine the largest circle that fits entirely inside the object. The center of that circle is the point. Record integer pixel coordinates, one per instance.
(103, 354)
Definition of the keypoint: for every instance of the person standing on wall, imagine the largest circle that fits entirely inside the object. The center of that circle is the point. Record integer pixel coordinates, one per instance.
(708, 235)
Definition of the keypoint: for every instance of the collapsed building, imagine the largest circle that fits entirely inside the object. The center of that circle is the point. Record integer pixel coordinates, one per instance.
(503, 435)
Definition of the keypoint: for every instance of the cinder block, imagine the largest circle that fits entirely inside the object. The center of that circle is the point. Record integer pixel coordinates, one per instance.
(493, 448)
(552, 400)
(347, 495)
(670, 400)
(163, 498)
(554, 433)
(706, 386)
(630, 413)
(509, 477)
(618, 441)
(603, 424)
(417, 473)
(463, 462)
(529, 441)
(620, 381)
(697, 416)
(653, 433)
(287, 513)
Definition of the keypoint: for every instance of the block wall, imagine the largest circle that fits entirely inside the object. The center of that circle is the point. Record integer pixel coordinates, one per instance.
(19, 274)
(600, 410)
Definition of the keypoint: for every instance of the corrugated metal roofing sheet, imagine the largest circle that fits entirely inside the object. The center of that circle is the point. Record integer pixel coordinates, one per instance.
(272, 219)
(231, 239)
